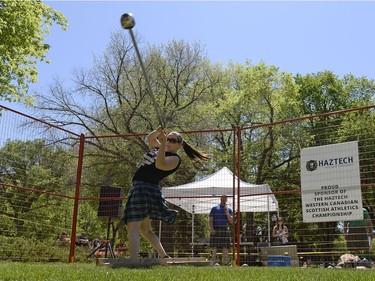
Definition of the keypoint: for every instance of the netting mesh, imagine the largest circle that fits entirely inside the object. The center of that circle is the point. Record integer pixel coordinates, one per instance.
(37, 170)
(42, 202)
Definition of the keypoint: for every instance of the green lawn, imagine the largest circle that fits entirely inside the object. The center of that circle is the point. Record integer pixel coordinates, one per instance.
(90, 272)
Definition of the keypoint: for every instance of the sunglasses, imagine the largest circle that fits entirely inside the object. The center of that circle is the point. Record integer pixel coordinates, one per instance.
(172, 140)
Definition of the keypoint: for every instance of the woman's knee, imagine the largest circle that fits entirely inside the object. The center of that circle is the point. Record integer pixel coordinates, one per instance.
(146, 231)
(134, 227)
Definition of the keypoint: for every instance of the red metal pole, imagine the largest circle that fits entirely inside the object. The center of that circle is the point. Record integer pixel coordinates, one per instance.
(233, 198)
(238, 225)
(76, 198)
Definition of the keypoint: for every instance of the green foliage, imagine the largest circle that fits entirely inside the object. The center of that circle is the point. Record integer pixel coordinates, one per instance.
(339, 245)
(38, 166)
(23, 29)
(31, 250)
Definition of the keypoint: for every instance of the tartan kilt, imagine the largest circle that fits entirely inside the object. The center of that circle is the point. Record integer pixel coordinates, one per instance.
(357, 239)
(221, 239)
(146, 199)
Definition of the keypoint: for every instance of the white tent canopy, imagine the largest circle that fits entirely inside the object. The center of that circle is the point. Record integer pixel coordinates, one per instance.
(200, 196)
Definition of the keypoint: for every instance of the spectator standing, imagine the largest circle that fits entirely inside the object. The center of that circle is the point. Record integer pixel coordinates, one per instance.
(219, 220)
(358, 235)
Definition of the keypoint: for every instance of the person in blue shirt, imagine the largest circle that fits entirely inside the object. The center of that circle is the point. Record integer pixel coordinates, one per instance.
(219, 219)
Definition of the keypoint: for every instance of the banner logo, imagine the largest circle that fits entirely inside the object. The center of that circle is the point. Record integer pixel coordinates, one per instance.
(311, 165)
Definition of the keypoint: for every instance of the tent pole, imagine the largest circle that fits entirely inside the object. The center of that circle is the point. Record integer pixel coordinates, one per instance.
(160, 231)
(269, 223)
(192, 232)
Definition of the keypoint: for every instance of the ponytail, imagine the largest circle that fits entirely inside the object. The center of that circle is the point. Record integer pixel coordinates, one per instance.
(195, 155)
(198, 157)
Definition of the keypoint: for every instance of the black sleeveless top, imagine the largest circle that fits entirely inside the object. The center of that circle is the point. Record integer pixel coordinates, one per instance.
(147, 172)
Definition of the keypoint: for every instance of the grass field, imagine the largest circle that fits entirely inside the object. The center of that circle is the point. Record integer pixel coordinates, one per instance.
(59, 271)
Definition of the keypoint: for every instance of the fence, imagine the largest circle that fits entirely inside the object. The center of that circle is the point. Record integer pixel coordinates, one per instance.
(53, 181)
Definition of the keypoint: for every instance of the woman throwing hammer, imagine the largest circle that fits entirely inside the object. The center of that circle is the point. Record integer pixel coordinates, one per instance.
(145, 200)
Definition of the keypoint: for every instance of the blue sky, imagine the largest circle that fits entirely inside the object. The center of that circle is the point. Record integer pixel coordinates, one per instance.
(297, 36)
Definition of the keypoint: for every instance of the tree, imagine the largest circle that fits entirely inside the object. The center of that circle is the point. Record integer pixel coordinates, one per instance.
(23, 29)
(112, 98)
(256, 95)
(325, 92)
(34, 165)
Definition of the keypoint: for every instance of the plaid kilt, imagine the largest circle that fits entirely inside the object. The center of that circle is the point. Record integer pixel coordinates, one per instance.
(357, 239)
(221, 239)
(146, 199)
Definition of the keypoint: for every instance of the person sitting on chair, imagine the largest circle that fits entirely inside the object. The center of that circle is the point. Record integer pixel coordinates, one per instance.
(280, 232)
(121, 248)
(96, 242)
(63, 239)
(82, 240)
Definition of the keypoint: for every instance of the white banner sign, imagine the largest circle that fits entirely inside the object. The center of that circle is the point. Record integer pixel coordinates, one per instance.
(330, 183)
